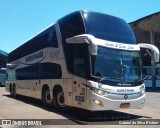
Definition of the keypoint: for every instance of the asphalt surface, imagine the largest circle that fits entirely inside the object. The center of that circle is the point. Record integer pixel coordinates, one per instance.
(26, 109)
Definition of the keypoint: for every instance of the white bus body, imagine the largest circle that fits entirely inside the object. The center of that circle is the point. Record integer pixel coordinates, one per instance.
(71, 64)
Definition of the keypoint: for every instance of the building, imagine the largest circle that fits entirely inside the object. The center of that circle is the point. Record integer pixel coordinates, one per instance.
(3, 59)
(147, 30)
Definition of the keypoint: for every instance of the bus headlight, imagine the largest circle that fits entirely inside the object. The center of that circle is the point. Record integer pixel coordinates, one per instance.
(99, 91)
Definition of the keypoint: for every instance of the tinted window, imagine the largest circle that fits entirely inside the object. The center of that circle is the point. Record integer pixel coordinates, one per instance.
(71, 26)
(51, 71)
(45, 39)
(78, 59)
(30, 72)
(39, 71)
(108, 27)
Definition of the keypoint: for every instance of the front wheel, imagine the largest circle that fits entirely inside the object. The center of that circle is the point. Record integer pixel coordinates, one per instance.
(59, 100)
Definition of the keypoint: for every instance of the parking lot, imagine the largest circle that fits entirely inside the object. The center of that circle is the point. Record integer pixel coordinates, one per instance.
(25, 108)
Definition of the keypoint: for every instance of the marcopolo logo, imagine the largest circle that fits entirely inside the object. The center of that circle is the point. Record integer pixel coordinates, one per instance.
(34, 56)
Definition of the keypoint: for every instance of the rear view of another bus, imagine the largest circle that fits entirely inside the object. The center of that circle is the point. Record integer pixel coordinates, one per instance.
(2, 76)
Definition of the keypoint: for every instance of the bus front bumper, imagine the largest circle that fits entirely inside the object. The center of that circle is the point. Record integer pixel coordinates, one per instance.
(100, 103)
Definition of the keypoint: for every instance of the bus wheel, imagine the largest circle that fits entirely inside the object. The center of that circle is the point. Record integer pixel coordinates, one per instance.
(14, 94)
(10, 90)
(46, 97)
(59, 100)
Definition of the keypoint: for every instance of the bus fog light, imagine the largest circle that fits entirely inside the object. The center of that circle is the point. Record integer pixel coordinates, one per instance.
(142, 92)
(98, 102)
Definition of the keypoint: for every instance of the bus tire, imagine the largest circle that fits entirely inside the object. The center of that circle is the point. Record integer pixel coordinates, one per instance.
(10, 89)
(46, 98)
(59, 100)
(14, 94)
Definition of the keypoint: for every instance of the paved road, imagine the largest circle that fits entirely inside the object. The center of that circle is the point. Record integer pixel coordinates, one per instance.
(27, 108)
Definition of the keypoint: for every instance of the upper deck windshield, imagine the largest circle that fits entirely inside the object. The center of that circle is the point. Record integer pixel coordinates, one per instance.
(117, 65)
(108, 27)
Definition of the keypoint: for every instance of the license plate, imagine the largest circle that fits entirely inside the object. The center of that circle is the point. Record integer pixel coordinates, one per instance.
(124, 105)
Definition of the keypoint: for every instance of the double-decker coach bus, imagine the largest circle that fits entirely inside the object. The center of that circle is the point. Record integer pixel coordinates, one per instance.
(86, 59)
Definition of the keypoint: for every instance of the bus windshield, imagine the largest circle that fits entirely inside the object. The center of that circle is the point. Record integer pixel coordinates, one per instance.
(117, 65)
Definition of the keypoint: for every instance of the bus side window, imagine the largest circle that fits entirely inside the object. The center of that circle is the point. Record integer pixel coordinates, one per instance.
(52, 38)
(51, 71)
(79, 66)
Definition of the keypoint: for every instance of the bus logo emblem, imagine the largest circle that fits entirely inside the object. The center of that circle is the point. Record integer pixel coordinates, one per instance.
(125, 97)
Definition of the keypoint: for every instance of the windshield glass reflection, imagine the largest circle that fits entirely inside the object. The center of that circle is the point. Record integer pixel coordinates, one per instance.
(117, 65)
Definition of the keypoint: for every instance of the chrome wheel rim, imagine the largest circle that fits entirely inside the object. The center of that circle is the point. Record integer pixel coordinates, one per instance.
(48, 97)
(60, 99)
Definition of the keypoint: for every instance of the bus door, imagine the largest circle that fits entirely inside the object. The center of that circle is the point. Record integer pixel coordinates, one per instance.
(79, 89)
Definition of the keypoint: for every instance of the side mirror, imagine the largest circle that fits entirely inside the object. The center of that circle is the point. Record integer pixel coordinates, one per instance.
(85, 38)
(153, 48)
(77, 39)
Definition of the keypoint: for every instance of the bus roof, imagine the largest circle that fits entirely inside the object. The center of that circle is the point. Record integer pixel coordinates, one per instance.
(103, 26)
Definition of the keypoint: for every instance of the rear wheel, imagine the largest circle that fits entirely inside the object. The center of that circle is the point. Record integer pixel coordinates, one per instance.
(10, 89)
(59, 100)
(13, 91)
(46, 97)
